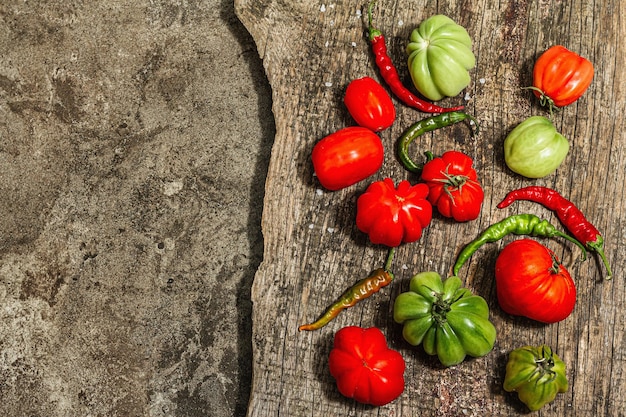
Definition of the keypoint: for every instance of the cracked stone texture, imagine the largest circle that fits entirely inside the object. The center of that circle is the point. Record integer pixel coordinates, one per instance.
(134, 140)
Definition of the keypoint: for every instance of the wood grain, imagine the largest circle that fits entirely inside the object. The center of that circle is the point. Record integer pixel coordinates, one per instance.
(310, 51)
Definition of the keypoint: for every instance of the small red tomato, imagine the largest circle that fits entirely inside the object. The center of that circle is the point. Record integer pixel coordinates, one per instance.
(369, 104)
(531, 282)
(346, 157)
(364, 367)
(561, 76)
(453, 185)
(391, 216)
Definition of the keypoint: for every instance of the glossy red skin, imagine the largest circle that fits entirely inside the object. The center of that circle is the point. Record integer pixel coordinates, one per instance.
(365, 368)
(562, 75)
(369, 104)
(346, 157)
(391, 215)
(527, 286)
(462, 203)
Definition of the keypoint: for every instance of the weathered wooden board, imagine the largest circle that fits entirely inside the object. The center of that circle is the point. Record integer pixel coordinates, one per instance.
(311, 50)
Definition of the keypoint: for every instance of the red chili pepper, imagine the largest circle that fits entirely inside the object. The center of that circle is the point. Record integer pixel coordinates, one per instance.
(570, 215)
(390, 74)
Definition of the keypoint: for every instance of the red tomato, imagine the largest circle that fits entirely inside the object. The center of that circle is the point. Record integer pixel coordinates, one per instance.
(347, 156)
(369, 104)
(561, 76)
(453, 185)
(391, 216)
(531, 282)
(364, 367)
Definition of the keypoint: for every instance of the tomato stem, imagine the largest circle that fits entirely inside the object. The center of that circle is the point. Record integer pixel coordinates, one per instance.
(545, 363)
(440, 310)
(555, 264)
(544, 100)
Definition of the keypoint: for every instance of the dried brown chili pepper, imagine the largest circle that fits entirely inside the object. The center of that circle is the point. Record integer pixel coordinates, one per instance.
(363, 289)
(570, 215)
(390, 74)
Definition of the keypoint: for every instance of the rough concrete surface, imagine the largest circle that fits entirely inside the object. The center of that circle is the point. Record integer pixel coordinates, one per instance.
(134, 140)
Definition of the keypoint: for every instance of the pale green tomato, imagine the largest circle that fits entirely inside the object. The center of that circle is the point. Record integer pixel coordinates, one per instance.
(537, 374)
(534, 148)
(440, 55)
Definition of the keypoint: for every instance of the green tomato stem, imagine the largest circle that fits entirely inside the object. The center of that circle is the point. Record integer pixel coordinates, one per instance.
(544, 100)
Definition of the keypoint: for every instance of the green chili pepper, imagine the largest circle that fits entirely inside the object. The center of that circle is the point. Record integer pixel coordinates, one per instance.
(427, 125)
(363, 289)
(519, 224)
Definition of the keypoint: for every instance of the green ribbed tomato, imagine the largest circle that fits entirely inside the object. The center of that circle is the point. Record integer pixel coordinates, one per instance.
(534, 148)
(537, 374)
(440, 55)
(446, 319)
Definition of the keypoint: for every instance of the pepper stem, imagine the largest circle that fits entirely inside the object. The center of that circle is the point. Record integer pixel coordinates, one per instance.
(373, 32)
(597, 247)
(575, 241)
(389, 260)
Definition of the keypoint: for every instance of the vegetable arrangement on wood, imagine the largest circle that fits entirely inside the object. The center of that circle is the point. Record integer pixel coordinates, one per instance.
(440, 315)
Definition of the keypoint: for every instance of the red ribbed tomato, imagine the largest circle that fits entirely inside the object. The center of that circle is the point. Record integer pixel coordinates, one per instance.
(391, 215)
(453, 186)
(560, 76)
(364, 367)
(531, 282)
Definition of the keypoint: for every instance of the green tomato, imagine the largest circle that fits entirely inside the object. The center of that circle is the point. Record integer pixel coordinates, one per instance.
(537, 374)
(446, 319)
(440, 55)
(534, 148)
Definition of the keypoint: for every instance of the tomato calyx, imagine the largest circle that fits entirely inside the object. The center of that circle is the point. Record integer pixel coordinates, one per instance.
(441, 307)
(544, 361)
(451, 182)
(440, 310)
(556, 265)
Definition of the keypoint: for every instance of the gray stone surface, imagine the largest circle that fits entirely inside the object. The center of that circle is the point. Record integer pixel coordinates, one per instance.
(134, 142)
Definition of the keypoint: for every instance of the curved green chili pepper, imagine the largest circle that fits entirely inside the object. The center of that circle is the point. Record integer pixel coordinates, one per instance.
(427, 125)
(364, 288)
(519, 224)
